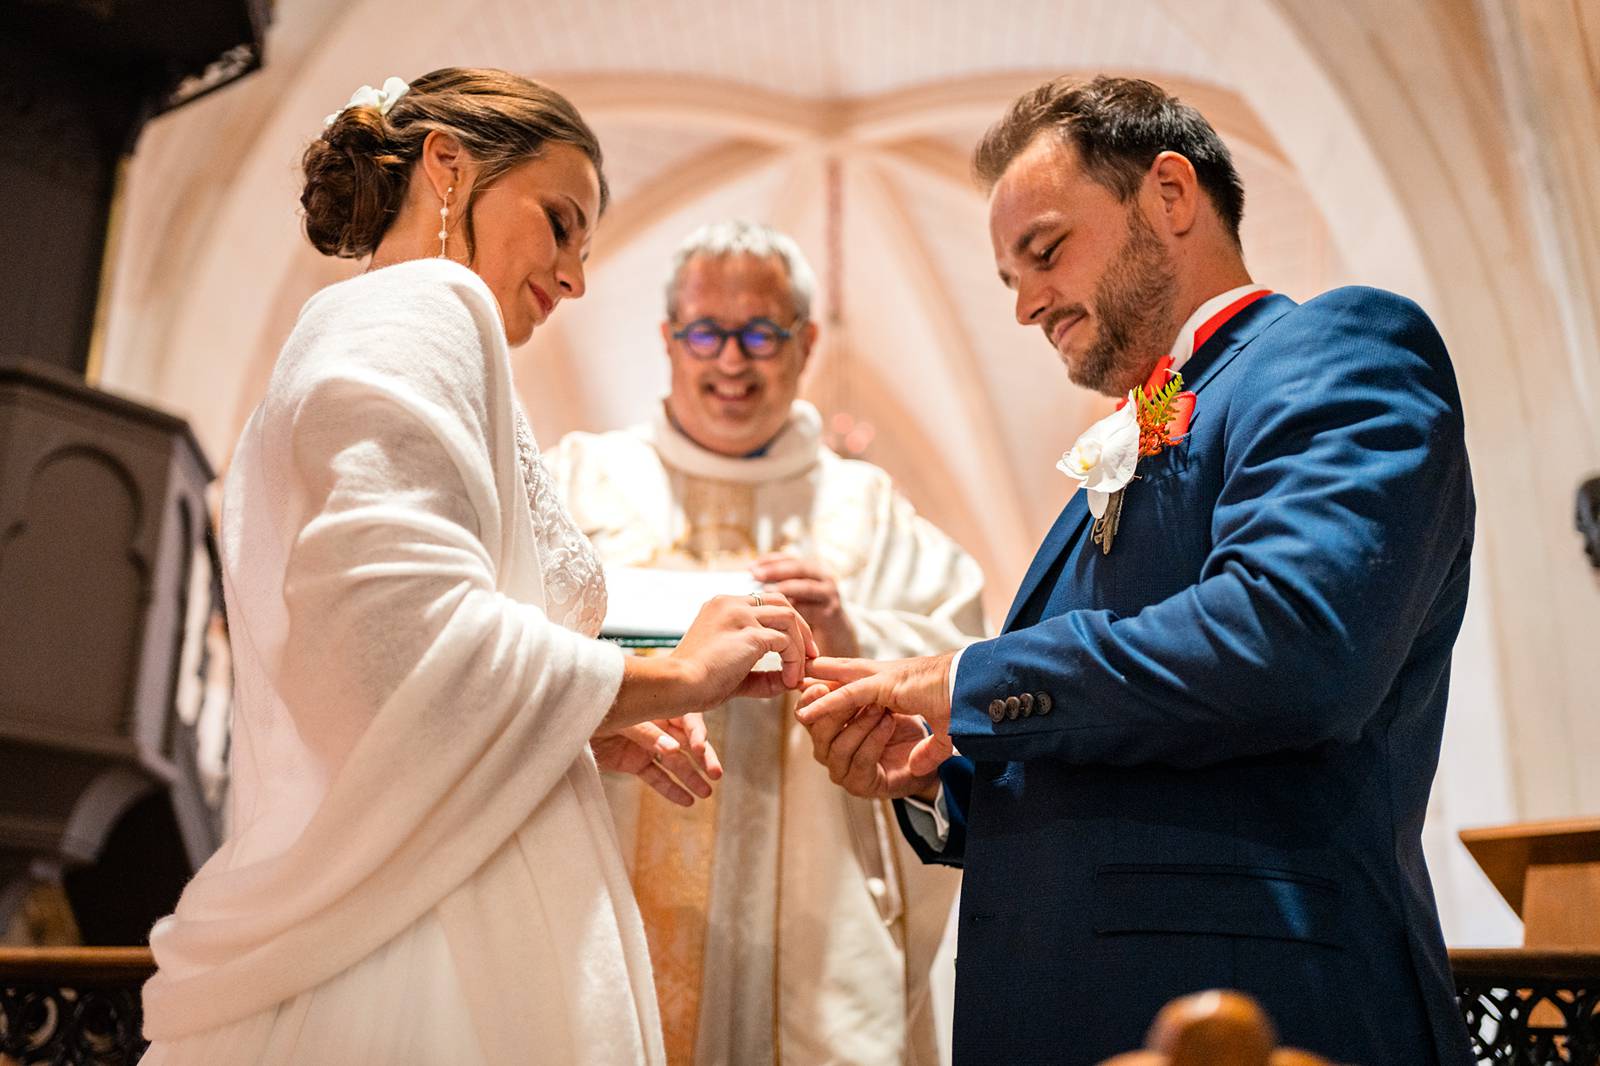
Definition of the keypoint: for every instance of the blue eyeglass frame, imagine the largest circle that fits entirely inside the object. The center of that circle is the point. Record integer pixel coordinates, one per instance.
(710, 326)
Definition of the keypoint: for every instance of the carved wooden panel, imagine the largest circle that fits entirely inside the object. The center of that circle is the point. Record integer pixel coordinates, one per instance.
(102, 520)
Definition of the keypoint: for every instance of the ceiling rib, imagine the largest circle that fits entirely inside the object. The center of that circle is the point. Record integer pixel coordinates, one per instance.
(1003, 503)
(676, 188)
(780, 119)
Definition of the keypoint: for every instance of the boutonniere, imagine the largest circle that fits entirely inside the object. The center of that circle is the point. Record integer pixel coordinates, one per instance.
(1105, 458)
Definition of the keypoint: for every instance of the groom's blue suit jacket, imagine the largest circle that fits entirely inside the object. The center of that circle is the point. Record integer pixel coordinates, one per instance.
(1245, 705)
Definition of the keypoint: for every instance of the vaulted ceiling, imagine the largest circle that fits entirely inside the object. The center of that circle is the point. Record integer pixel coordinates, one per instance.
(1378, 142)
(848, 125)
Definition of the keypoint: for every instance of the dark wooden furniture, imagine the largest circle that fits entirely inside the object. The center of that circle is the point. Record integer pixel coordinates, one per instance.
(1530, 1007)
(1540, 1003)
(106, 586)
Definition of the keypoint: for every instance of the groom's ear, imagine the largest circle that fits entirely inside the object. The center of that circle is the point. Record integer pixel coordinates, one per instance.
(1177, 191)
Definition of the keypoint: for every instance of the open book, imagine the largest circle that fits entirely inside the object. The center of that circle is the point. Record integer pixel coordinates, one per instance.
(648, 608)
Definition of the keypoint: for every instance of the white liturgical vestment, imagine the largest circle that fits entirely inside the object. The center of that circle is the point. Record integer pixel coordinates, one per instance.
(788, 921)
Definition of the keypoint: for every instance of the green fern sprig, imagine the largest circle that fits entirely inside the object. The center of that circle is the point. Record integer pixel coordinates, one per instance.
(1158, 410)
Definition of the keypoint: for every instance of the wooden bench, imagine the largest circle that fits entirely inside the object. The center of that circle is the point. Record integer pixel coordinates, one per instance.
(1214, 1029)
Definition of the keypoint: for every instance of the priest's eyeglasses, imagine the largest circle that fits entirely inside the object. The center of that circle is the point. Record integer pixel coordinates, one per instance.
(759, 338)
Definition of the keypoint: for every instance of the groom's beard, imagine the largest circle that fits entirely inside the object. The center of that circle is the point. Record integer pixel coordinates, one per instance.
(1133, 306)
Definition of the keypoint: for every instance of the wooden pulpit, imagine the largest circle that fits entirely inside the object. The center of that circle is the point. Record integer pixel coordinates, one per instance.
(107, 584)
(1550, 874)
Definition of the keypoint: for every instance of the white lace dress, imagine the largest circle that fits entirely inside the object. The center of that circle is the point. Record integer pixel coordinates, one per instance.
(409, 887)
(574, 580)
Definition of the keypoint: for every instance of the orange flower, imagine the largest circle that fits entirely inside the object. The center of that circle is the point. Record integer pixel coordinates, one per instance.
(1163, 410)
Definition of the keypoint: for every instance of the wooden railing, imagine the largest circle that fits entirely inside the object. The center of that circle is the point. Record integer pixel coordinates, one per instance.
(71, 1006)
(1530, 1007)
(80, 1006)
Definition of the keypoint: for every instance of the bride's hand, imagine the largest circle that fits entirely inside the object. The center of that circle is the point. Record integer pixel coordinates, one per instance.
(730, 635)
(662, 754)
(714, 662)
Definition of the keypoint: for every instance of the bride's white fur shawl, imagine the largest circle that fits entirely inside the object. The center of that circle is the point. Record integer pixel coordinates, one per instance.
(411, 730)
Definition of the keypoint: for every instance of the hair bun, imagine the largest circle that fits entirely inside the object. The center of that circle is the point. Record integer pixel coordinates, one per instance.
(354, 184)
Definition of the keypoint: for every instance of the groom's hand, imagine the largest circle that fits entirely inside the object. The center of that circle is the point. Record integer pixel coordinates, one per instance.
(869, 755)
(889, 719)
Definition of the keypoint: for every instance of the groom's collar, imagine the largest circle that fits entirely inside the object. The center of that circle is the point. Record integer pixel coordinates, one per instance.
(1210, 317)
(1232, 336)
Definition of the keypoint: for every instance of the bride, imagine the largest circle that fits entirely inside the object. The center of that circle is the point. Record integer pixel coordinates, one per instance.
(421, 867)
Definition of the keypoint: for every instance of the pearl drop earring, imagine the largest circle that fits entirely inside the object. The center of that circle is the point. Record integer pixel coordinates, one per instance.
(444, 217)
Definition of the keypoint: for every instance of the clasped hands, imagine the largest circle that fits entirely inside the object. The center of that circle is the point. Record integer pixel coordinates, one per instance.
(881, 728)
(799, 614)
(654, 728)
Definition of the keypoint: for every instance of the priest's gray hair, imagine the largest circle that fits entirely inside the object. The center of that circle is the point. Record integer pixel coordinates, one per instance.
(738, 237)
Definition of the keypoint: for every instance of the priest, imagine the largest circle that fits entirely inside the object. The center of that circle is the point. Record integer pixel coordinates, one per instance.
(787, 920)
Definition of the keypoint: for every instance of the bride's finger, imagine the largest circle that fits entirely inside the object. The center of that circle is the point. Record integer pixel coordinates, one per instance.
(680, 765)
(786, 621)
(695, 735)
(777, 599)
(652, 738)
(761, 685)
(711, 761)
(658, 779)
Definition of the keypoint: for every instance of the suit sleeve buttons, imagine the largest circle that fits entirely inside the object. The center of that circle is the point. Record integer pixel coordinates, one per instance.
(1042, 702)
(1013, 707)
(997, 710)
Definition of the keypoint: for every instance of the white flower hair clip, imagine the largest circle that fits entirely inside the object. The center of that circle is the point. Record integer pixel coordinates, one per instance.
(383, 99)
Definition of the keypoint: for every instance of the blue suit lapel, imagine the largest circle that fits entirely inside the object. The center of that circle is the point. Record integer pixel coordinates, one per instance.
(1062, 536)
(1216, 353)
(1231, 339)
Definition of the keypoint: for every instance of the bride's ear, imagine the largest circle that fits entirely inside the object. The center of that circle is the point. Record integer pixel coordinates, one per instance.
(444, 164)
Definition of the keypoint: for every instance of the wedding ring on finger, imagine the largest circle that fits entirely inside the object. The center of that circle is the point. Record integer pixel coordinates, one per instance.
(755, 599)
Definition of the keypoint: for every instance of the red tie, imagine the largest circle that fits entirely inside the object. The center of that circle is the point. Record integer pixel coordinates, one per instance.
(1216, 321)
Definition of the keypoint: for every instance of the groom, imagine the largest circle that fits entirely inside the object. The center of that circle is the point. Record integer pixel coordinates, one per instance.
(1199, 753)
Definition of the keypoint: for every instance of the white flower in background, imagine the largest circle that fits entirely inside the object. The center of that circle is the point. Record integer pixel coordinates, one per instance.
(1104, 457)
(383, 99)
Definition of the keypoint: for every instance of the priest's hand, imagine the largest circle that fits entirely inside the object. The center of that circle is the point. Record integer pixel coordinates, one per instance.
(815, 594)
(882, 729)
(672, 756)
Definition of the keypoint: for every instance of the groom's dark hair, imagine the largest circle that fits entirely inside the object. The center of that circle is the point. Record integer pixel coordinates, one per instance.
(1118, 126)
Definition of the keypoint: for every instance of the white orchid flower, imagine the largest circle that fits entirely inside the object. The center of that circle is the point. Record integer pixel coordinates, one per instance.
(1104, 457)
(383, 99)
